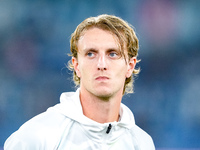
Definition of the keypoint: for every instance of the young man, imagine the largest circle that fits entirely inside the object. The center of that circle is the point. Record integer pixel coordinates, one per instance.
(104, 54)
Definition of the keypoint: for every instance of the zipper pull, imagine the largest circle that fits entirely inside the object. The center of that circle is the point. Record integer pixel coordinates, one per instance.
(109, 128)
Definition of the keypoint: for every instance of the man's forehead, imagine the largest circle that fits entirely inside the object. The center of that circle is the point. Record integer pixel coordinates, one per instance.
(94, 36)
(120, 46)
(92, 30)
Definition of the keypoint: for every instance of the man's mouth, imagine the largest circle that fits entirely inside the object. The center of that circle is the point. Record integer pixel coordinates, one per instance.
(102, 78)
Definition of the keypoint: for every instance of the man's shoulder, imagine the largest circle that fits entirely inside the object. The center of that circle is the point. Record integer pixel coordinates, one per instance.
(143, 138)
(45, 127)
(50, 119)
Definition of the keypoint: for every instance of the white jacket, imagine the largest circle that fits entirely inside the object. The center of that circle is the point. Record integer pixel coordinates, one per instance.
(64, 127)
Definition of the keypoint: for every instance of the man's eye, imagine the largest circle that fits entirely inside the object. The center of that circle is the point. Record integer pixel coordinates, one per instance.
(90, 54)
(113, 54)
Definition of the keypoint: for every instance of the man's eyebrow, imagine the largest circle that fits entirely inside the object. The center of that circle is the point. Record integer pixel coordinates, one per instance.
(94, 49)
(113, 49)
(90, 49)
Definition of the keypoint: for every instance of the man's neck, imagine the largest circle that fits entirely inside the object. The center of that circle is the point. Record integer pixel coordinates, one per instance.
(100, 110)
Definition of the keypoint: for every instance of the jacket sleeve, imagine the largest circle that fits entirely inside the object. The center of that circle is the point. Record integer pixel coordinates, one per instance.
(42, 132)
(144, 140)
(22, 141)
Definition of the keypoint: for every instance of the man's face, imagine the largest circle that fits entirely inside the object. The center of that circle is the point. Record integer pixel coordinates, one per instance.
(100, 66)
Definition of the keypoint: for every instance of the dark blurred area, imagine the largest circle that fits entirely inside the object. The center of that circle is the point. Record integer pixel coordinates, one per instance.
(34, 43)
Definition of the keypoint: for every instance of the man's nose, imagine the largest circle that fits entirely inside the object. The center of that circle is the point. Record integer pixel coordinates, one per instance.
(102, 65)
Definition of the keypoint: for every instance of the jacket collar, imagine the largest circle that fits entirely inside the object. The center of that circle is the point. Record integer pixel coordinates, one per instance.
(71, 107)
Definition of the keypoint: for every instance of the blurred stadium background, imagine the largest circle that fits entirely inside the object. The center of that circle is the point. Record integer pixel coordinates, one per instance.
(34, 43)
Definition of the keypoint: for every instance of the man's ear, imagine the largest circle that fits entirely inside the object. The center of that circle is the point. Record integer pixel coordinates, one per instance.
(131, 66)
(76, 66)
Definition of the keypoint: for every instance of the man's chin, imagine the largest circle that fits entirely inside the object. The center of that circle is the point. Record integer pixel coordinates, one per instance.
(104, 95)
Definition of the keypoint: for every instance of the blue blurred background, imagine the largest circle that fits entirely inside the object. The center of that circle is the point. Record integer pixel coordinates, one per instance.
(34, 43)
